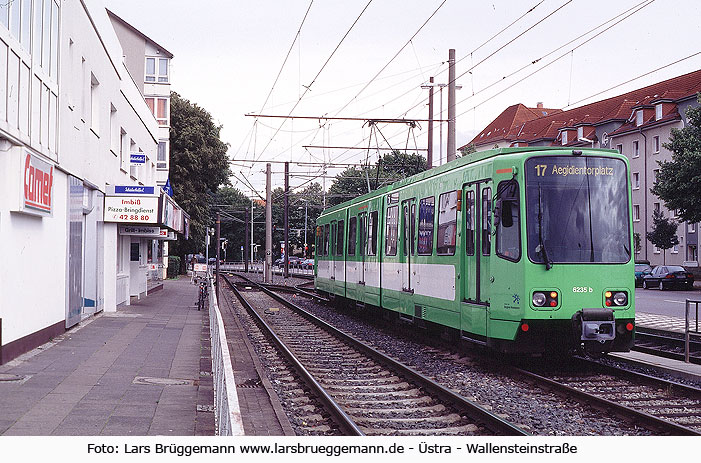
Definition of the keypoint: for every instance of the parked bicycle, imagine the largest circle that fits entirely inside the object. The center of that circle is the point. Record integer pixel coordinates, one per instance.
(203, 295)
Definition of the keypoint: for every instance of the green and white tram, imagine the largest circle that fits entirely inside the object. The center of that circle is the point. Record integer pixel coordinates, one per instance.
(526, 250)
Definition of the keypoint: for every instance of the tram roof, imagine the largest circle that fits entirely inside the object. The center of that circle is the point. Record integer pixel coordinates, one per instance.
(457, 163)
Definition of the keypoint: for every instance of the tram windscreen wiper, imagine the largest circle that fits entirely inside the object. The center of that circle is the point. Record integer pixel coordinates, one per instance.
(541, 242)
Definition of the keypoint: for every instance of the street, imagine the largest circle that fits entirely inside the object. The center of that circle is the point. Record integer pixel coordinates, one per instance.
(668, 302)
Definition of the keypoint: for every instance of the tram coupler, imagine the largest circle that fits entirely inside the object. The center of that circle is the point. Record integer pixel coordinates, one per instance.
(594, 325)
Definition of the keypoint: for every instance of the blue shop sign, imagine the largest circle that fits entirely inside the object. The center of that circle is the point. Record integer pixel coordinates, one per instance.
(137, 158)
(134, 189)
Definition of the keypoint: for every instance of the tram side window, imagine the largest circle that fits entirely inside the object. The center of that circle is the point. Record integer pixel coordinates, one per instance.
(392, 230)
(447, 223)
(339, 238)
(372, 234)
(362, 233)
(508, 243)
(426, 219)
(352, 232)
(470, 223)
(327, 231)
(486, 221)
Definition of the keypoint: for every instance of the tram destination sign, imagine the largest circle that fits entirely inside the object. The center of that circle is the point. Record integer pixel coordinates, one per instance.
(131, 209)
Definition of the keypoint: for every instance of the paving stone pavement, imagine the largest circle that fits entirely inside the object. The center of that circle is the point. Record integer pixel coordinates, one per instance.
(140, 371)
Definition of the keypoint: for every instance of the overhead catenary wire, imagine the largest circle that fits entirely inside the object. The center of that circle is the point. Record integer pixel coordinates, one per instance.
(307, 88)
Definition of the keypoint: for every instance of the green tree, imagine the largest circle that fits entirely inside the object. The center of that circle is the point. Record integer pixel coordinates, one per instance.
(391, 167)
(678, 182)
(198, 167)
(232, 205)
(663, 233)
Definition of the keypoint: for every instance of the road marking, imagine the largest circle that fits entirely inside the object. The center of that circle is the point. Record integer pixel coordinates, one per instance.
(678, 302)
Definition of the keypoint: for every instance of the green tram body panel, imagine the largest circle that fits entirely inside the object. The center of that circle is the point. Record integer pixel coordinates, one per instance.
(389, 253)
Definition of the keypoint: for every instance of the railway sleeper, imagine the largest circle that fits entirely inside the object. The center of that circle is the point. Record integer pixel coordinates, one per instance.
(402, 423)
(465, 430)
(380, 404)
(393, 412)
(370, 389)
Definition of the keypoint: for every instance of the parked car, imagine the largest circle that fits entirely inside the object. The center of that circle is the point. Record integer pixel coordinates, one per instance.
(640, 271)
(308, 264)
(668, 276)
(292, 262)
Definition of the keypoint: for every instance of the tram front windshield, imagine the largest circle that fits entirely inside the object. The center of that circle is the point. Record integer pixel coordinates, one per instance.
(577, 210)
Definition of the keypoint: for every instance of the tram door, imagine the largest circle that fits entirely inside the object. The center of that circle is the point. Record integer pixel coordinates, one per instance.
(363, 238)
(476, 246)
(332, 251)
(408, 244)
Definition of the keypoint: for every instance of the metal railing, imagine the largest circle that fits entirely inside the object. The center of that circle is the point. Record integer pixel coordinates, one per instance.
(688, 331)
(227, 414)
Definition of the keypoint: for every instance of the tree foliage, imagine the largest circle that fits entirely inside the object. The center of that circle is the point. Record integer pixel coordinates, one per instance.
(678, 182)
(198, 167)
(389, 168)
(664, 232)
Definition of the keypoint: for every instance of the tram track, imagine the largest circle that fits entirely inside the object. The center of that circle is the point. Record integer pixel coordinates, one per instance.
(663, 406)
(644, 402)
(666, 344)
(365, 392)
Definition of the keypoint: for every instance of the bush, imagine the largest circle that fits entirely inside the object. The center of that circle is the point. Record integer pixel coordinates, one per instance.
(173, 266)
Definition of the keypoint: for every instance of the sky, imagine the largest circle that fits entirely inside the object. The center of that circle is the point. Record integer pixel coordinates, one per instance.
(368, 59)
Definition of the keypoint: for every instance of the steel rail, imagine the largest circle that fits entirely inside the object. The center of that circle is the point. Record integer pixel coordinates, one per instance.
(470, 409)
(664, 341)
(638, 416)
(346, 424)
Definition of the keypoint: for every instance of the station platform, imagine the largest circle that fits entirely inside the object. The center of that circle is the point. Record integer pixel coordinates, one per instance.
(676, 368)
(143, 370)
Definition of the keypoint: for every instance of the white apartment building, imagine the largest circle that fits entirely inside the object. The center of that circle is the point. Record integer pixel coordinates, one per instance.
(77, 217)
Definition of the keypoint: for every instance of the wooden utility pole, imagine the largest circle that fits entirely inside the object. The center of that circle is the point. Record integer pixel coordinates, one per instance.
(450, 153)
(268, 277)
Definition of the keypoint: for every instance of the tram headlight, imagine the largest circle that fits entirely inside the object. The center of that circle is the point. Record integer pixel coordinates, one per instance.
(539, 299)
(620, 298)
(615, 298)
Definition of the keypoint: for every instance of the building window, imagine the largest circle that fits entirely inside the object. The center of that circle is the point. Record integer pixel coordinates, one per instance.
(564, 138)
(636, 213)
(156, 64)
(163, 70)
(636, 148)
(636, 180)
(639, 117)
(656, 207)
(94, 104)
(656, 144)
(658, 111)
(692, 228)
(619, 148)
(675, 248)
(150, 70)
(122, 141)
(692, 253)
(159, 108)
(655, 173)
(580, 133)
(114, 139)
(162, 160)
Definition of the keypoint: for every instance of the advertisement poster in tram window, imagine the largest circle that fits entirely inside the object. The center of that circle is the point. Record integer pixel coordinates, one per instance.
(131, 209)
